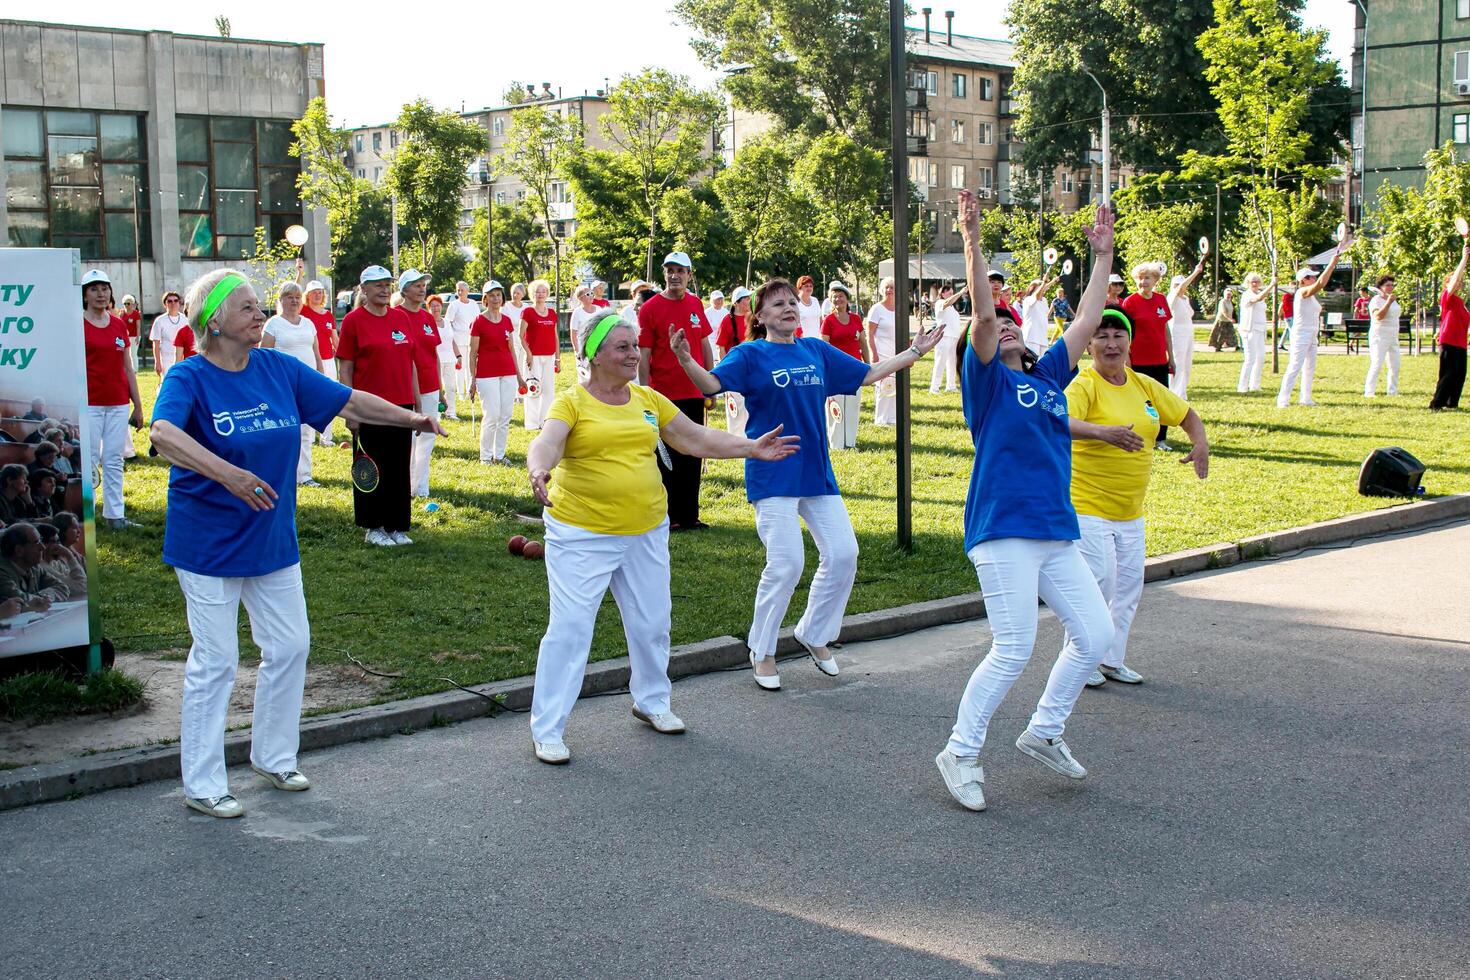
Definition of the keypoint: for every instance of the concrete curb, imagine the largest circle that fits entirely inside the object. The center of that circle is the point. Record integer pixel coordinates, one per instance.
(128, 767)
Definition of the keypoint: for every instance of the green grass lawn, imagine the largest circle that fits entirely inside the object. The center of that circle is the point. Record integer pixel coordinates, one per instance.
(456, 605)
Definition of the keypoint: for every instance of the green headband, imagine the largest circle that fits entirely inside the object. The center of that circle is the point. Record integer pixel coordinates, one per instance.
(1118, 315)
(600, 332)
(216, 296)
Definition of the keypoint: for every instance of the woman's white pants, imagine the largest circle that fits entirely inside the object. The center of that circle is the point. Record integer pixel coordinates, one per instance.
(735, 414)
(1183, 338)
(423, 447)
(1013, 572)
(1254, 342)
(1383, 345)
(944, 367)
(543, 369)
(108, 433)
(451, 393)
(885, 402)
(498, 396)
(580, 566)
(277, 608)
(1302, 362)
(778, 522)
(329, 368)
(303, 458)
(1114, 550)
(843, 414)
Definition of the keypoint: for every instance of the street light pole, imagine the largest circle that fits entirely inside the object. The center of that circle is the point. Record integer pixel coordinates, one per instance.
(1107, 141)
(1363, 129)
(898, 133)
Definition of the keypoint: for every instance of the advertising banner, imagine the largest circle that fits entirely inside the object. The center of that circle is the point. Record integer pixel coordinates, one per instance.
(43, 417)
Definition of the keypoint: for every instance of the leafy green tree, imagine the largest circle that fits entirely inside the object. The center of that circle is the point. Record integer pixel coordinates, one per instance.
(516, 93)
(1158, 234)
(445, 268)
(612, 228)
(325, 181)
(536, 152)
(367, 239)
(269, 265)
(428, 172)
(521, 245)
(841, 181)
(696, 222)
(767, 215)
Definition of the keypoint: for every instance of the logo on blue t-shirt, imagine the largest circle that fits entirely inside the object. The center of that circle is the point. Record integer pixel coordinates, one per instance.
(251, 419)
(1026, 395)
(224, 423)
(781, 378)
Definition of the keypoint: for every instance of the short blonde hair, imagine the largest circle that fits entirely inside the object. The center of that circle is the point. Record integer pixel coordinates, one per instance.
(884, 283)
(199, 291)
(535, 284)
(290, 286)
(1157, 268)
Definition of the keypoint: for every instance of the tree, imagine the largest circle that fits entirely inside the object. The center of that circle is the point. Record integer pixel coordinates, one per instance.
(367, 239)
(768, 216)
(521, 245)
(325, 181)
(841, 181)
(428, 172)
(696, 222)
(813, 65)
(662, 123)
(612, 226)
(517, 93)
(536, 151)
(222, 24)
(448, 265)
(269, 265)
(1158, 234)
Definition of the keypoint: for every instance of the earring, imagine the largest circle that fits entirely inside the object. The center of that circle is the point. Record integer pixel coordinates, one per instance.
(214, 333)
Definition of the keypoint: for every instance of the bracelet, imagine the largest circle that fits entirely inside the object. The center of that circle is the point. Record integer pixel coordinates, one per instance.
(914, 350)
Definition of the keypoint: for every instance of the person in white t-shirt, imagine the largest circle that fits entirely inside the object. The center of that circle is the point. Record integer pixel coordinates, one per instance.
(808, 309)
(1383, 338)
(947, 316)
(1252, 326)
(584, 312)
(716, 311)
(1181, 328)
(881, 326)
(291, 333)
(165, 330)
(1306, 320)
(451, 355)
(1035, 325)
(459, 316)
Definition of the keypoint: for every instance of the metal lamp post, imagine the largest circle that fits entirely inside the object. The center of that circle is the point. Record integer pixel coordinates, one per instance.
(898, 131)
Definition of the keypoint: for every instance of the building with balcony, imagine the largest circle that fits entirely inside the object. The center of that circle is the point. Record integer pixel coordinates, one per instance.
(188, 134)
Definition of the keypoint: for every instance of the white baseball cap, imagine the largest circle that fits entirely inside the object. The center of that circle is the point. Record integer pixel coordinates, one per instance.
(314, 284)
(374, 273)
(1176, 280)
(1305, 273)
(492, 284)
(716, 294)
(95, 275)
(409, 277)
(740, 293)
(1115, 280)
(678, 258)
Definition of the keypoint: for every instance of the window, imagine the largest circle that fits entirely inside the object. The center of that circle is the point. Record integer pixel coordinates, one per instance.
(497, 126)
(377, 174)
(362, 173)
(957, 176)
(1067, 182)
(500, 197)
(986, 184)
(933, 132)
(357, 142)
(986, 85)
(1462, 66)
(987, 134)
(958, 81)
(71, 178)
(235, 175)
(377, 142)
(1462, 127)
(392, 138)
(558, 192)
(923, 173)
(925, 81)
(957, 130)
(1462, 9)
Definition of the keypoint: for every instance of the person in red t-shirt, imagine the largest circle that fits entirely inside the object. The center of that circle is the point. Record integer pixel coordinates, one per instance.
(496, 373)
(1454, 324)
(1153, 349)
(732, 334)
(543, 349)
(599, 294)
(375, 354)
(843, 329)
(676, 309)
(413, 288)
(133, 317)
(314, 308)
(111, 386)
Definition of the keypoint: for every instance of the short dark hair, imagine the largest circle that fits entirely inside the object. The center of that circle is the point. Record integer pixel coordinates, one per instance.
(44, 448)
(65, 520)
(48, 532)
(42, 473)
(1383, 279)
(14, 536)
(10, 471)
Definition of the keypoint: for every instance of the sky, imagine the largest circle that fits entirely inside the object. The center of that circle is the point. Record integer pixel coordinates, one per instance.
(466, 56)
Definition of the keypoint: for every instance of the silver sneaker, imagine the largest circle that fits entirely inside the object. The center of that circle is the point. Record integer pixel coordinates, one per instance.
(667, 723)
(1097, 679)
(553, 753)
(290, 780)
(964, 777)
(379, 537)
(223, 807)
(1120, 674)
(400, 538)
(1052, 753)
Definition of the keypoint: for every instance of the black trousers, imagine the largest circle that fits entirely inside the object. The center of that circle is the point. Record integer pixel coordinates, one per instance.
(682, 482)
(1451, 377)
(390, 506)
(1160, 373)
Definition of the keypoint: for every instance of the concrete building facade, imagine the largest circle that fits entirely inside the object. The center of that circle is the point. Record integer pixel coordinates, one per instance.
(189, 132)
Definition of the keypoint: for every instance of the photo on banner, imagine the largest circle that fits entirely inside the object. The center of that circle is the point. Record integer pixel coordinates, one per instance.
(43, 405)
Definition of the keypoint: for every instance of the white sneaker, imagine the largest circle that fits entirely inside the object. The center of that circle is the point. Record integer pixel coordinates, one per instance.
(400, 538)
(827, 664)
(1052, 753)
(223, 807)
(964, 777)
(667, 723)
(379, 537)
(1120, 674)
(766, 682)
(1097, 679)
(553, 753)
(291, 780)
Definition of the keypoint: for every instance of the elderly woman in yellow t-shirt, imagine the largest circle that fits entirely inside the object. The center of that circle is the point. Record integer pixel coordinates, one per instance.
(595, 468)
(1115, 416)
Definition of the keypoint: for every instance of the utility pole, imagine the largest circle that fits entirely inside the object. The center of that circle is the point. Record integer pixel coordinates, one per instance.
(898, 133)
(1216, 244)
(393, 220)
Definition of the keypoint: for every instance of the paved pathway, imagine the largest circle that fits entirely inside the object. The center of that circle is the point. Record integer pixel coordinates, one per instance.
(1285, 796)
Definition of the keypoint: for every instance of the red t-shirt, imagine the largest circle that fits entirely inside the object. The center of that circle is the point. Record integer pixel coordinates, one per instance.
(1454, 320)
(1360, 308)
(656, 319)
(599, 302)
(132, 320)
(540, 332)
(1150, 328)
(380, 349)
(495, 359)
(845, 336)
(1288, 303)
(324, 323)
(732, 332)
(184, 344)
(425, 348)
(107, 373)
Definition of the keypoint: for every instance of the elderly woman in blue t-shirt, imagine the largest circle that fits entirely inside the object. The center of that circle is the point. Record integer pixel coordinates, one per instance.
(786, 381)
(229, 422)
(1020, 529)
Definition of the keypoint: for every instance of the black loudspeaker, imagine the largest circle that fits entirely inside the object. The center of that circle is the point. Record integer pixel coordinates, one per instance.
(1390, 472)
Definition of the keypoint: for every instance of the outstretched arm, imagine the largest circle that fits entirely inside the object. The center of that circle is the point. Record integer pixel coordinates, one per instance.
(923, 344)
(1188, 282)
(1457, 278)
(693, 439)
(1089, 311)
(984, 334)
(1317, 286)
(703, 380)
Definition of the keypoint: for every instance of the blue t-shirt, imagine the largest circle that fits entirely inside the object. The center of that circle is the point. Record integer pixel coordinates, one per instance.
(1020, 486)
(788, 384)
(251, 418)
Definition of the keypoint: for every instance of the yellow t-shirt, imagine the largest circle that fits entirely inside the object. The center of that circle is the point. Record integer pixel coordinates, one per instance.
(1106, 481)
(608, 480)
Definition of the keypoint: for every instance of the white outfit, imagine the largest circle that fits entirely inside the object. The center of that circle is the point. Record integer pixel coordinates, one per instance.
(826, 307)
(1181, 332)
(1383, 345)
(1252, 326)
(459, 317)
(580, 322)
(811, 318)
(778, 522)
(299, 340)
(277, 607)
(580, 566)
(445, 350)
(498, 395)
(543, 369)
(843, 414)
(948, 319)
(1034, 324)
(715, 318)
(1114, 550)
(423, 447)
(1013, 572)
(1305, 321)
(165, 331)
(108, 433)
(516, 350)
(885, 410)
(735, 414)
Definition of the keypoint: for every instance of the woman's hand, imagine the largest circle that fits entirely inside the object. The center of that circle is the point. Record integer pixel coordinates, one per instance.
(474, 388)
(1199, 455)
(969, 217)
(774, 446)
(679, 344)
(539, 488)
(427, 423)
(1121, 436)
(136, 419)
(1100, 232)
(250, 488)
(556, 365)
(11, 607)
(929, 339)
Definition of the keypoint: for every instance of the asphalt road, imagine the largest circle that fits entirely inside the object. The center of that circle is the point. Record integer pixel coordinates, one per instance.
(1284, 797)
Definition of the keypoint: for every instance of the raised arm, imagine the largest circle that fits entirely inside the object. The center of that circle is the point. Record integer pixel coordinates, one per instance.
(1321, 281)
(703, 380)
(984, 334)
(1457, 278)
(1252, 297)
(364, 406)
(1089, 311)
(1188, 283)
(923, 344)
